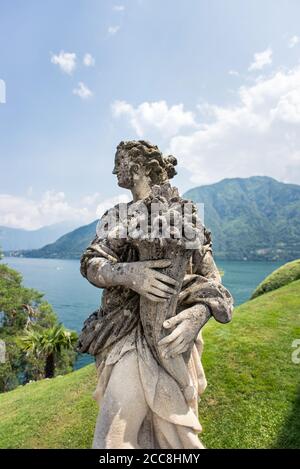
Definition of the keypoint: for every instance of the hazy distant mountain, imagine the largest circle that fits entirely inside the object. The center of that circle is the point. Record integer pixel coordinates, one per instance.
(15, 239)
(252, 218)
(69, 246)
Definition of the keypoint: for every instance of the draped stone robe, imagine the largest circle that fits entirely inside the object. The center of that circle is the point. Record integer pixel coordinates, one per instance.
(115, 330)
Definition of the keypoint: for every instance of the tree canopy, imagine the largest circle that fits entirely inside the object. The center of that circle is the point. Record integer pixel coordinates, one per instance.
(23, 311)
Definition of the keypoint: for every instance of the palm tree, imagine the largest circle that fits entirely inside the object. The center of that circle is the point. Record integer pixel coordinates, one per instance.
(48, 343)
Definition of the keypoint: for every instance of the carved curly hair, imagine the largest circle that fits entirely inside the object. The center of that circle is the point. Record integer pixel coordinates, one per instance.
(159, 168)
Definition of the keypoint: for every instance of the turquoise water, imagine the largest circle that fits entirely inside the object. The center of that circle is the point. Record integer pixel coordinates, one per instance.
(73, 298)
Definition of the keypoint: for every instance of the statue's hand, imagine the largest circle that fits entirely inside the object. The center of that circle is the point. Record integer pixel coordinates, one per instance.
(144, 279)
(188, 324)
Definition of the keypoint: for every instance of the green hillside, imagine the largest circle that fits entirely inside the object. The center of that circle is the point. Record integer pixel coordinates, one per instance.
(280, 277)
(256, 218)
(253, 218)
(69, 246)
(252, 400)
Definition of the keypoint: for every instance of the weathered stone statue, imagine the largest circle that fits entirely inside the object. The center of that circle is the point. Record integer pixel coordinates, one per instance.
(160, 287)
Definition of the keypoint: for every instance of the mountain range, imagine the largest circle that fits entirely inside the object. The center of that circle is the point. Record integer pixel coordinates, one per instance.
(255, 218)
(13, 239)
(252, 218)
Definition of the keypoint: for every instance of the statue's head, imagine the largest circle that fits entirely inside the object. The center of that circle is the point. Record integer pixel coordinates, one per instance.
(140, 159)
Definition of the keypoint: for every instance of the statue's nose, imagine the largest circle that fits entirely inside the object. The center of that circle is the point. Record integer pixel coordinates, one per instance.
(114, 171)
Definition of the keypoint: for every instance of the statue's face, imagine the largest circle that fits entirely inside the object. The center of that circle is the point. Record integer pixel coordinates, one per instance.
(122, 169)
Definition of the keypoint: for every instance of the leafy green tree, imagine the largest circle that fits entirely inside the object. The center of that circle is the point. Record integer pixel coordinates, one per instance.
(9, 370)
(13, 300)
(49, 344)
(22, 310)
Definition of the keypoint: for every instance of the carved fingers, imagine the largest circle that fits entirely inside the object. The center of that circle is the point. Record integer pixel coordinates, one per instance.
(177, 347)
(154, 298)
(151, 265)
(187, 324)
(142, 277)
(156, 288)
(163, 287)
(158, 292)
(154, 284)
(172, 322)
(157, 264)
(165, 278)
(169, 338)
(175, 343)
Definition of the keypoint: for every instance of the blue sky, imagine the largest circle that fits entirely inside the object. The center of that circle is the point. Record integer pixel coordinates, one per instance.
(215, 82)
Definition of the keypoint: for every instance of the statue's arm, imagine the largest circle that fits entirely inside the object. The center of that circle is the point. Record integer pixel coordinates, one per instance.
(207, 298)
(103, 270)
(99, 272)
(208, 269)
(220, 304)
(96, 264)
(204, 265)
(203, 261)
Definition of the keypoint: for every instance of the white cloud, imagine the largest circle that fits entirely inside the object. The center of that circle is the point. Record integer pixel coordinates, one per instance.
(53, 207)
(233, 73)
(29, 191)
(82, 91)
(118, 8)
(92, 199)
(108, 203)
(155, 117)
(88, 60)
(293, 41)
(65, 60)
(259, 136)
(2, 92)
(261, 59)
(27, 213)
(113, 30)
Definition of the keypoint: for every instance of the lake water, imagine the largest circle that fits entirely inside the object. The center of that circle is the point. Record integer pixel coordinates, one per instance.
(73, 298)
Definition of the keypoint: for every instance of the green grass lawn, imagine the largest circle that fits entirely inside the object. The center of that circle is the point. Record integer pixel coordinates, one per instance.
(253, 396)
(252, 399)
(286, 274)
